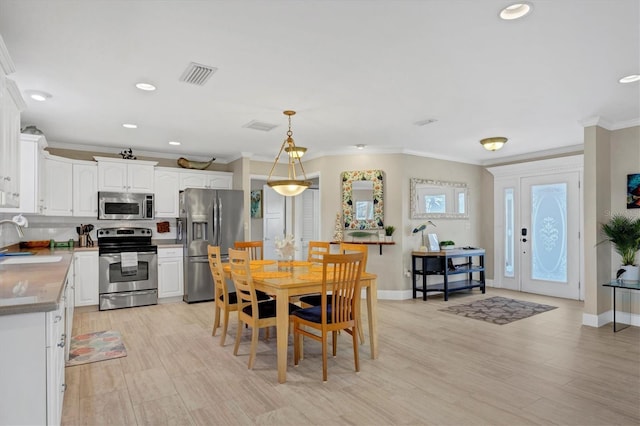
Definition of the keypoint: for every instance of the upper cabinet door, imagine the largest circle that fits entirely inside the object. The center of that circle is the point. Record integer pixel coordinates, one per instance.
(85, 190)
(112, 177)
(58, 181)
(166, 197)
(220, 181)
(193, 180)
(140, 178)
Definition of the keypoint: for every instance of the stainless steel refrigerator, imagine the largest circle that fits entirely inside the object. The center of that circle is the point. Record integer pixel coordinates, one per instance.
(207, 216)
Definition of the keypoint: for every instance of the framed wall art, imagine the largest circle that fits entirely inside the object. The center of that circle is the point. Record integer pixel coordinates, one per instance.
(256, 204)
(633, 191)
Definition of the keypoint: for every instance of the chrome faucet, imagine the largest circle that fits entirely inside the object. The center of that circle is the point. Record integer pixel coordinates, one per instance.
(18, 221)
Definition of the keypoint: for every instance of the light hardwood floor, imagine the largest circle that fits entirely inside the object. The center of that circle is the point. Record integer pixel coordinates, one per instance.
(434, 368)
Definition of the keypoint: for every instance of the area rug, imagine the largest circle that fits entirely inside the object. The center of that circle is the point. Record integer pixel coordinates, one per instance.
(498, 310)
(94, 347)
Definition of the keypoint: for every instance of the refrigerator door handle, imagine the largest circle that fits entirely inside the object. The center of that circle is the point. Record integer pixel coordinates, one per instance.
(215, 236)
(219, 225)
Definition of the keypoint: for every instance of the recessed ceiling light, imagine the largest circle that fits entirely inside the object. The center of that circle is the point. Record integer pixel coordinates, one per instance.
(38, 95)
(630, 78)
(130, 126)
(174, 143)
(515, 11)
(146, 86)
(360, 146)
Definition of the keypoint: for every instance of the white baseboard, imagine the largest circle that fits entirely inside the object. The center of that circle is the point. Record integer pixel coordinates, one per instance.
(607, 317)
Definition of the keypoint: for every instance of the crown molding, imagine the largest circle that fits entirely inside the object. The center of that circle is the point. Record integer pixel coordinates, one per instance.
(571, 149)
(5, 60)
(608, 125)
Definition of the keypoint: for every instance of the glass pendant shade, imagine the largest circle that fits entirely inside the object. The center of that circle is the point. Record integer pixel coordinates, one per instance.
(493, 144)
(291, 186)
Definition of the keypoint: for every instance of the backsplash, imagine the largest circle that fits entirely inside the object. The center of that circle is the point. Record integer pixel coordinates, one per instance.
(64, 228)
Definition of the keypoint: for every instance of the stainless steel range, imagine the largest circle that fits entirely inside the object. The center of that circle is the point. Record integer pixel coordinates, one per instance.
(128, 268)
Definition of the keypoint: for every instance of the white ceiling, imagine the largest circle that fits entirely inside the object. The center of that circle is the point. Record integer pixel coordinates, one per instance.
(357, 72)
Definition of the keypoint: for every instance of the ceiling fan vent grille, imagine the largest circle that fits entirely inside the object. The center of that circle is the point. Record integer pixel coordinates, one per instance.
(260, 125)
(197, 74)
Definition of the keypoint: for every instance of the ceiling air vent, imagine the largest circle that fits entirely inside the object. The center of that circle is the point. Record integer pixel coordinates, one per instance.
(425, 121)
(197, 74)
(260, 125)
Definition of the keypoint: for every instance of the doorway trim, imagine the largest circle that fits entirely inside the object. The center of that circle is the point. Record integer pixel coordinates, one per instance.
(511, 175)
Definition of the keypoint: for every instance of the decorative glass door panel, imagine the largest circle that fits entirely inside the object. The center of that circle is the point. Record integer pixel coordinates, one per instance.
(549, 232)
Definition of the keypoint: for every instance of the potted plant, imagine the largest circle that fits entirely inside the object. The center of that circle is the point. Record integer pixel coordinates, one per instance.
(624, 233)
(447, 245)
(388, 232)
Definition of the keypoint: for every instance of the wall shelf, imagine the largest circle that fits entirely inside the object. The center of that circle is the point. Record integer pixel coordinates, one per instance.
(371, 243)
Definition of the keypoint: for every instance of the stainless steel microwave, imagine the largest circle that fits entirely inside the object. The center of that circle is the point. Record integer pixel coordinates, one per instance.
(125, 205)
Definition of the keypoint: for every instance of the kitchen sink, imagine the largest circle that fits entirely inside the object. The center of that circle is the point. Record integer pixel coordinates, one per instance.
(18, 260)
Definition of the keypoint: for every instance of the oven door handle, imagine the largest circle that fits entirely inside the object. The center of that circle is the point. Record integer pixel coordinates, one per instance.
(117, 255)
(127, 294)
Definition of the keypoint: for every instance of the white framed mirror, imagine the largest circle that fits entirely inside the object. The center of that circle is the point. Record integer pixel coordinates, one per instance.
(435, 199)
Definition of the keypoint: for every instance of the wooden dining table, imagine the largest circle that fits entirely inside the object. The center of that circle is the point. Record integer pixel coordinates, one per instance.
(302, 278)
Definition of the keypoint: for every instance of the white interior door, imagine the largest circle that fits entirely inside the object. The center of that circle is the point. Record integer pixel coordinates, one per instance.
(549, 235)
(307, 223)
(273, 220)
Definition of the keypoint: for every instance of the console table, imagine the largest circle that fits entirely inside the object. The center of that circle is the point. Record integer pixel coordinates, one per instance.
(626, 284)
(442, 263)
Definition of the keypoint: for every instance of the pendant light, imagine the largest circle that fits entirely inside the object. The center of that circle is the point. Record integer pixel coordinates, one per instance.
(493, 144)
(291, 186)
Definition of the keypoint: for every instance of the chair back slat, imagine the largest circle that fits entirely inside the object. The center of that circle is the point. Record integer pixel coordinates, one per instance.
(317, 249)
(255, 248)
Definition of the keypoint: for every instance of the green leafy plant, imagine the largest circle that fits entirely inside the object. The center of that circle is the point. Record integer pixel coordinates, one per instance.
(446, 243)
(624, 233)
(389, 230)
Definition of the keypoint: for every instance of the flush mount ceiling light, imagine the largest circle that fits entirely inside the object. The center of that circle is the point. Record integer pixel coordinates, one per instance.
(38, 95)
(360, 146)
(174, 143)
(148, 87)
(630, 78)
(515, 11)
(493, 144)
(292, 186)
(130, 126)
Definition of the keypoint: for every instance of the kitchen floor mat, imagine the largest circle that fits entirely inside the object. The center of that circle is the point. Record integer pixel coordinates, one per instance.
(94, 347)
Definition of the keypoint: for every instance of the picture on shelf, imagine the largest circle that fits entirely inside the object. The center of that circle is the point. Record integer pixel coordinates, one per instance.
(434, 245)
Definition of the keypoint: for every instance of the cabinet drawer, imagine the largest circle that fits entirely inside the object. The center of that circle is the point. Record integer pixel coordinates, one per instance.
(169, 252)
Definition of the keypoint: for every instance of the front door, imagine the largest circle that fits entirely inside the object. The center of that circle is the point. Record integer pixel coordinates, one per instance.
(549, 235)
(307, 208)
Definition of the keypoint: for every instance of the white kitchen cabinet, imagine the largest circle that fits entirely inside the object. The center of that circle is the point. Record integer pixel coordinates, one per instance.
(167, 184)
(86, 277)
(205, 179)
(32, 367)
(31, 148)
(57, 184)
(11, 103)
(170, 272)
(85, 189)
(118, 175)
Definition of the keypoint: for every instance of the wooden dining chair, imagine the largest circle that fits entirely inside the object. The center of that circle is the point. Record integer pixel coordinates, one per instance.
(251, 311)
(255, 248)
(345, 248)
(224, 300)
(316, 250)
(341, 279)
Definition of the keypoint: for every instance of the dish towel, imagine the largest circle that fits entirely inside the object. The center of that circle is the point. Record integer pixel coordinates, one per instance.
(129, 263)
